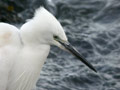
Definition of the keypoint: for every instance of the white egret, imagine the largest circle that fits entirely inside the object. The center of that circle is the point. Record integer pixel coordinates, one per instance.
(23, 52)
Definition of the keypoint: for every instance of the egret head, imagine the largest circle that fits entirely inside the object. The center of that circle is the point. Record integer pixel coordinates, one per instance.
(49, 29)
(50, 32)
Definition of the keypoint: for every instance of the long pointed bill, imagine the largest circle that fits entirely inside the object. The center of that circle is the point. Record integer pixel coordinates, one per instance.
(70, 48)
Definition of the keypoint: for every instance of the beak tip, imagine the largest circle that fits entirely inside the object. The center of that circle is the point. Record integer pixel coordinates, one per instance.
(94, 69)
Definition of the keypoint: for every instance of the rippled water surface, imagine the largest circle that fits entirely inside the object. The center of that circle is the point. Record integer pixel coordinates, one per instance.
(93, 27)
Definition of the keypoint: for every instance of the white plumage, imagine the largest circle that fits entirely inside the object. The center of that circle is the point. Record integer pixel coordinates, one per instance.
(24, 51)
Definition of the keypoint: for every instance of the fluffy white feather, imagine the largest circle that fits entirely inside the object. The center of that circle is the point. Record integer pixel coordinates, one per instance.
(21, 63)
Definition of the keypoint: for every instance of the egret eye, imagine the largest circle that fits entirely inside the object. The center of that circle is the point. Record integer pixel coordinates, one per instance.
(55, 37)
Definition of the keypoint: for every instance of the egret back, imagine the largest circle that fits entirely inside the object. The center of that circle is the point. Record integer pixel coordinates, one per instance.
(9, 43)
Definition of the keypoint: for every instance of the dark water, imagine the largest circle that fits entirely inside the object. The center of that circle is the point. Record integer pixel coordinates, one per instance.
(93, 27)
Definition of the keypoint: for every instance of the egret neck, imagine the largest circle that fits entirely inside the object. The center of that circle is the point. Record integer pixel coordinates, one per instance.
(33, 53)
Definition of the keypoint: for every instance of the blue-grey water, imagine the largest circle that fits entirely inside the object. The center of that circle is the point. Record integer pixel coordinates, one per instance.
(93, 27)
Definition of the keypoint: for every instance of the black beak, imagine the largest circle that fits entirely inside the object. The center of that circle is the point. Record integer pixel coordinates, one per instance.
(70, 48)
